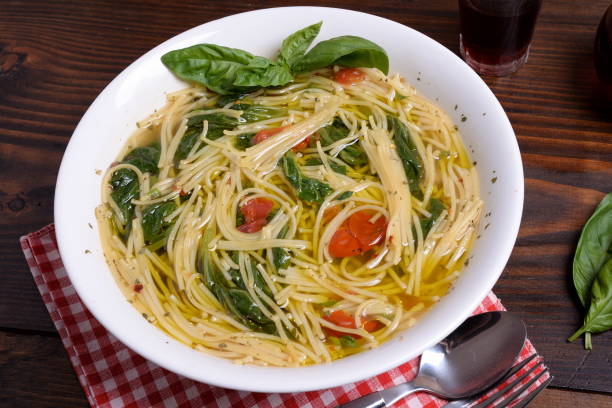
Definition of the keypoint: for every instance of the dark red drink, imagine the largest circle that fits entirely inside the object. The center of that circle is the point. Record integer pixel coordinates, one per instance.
(495, 34)
(603, 48)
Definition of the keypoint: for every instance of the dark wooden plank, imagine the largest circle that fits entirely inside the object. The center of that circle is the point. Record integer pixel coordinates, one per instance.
(35, 372)
(55, 57)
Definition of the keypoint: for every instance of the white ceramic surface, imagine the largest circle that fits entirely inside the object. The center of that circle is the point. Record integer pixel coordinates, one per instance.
(141, 88)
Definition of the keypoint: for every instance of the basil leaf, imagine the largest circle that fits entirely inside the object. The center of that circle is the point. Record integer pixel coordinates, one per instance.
(274, 74)
(408, 154)
(347, 51)
(217, 123)
(599, 316)
(225, 70)
(308, 189)
(297, 43)
(593, 249)
(154, 225)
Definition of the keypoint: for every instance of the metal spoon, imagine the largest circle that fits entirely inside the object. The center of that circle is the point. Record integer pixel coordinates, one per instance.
(471, 359)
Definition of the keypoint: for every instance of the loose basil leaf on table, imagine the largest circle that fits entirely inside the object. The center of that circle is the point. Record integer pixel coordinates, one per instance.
(297, 43)
(599, 316)
(347, 51)
(592, 271)
(593, 249)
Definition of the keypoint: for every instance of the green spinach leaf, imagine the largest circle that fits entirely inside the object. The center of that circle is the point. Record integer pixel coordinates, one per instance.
(294, 46)
(599, 316)
(280, 256)
(308, 189)
(347, 51)
(145, 158)
(243, 141)
(338, 168)
(154, 226)
(236, 301)
(124, 183)
(435, 209)
(352, 154)
(186, 144)
(408, 154)
(594, 249)
(255, 113)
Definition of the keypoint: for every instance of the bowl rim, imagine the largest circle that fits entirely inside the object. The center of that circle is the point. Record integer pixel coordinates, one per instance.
(311, 375)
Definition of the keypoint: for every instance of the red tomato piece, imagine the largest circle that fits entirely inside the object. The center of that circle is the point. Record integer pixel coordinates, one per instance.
(256, 208)
(368, 233)
(343, 244)
(343, 319)
(349, 76)
(302, 145)
(265, 134)
(330, 213)
(253, 226)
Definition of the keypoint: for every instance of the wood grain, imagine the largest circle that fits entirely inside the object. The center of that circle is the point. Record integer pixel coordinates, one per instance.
(55, 57)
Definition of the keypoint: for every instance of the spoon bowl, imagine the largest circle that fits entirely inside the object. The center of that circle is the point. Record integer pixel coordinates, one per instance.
(471, 359)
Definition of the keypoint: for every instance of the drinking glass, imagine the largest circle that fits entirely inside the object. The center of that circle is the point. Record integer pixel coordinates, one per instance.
(496, 34)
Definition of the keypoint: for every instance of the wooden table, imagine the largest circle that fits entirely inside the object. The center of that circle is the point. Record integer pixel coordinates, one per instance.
(56, 56)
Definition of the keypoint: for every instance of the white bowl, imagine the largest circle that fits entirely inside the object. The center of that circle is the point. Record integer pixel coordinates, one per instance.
(138, 90)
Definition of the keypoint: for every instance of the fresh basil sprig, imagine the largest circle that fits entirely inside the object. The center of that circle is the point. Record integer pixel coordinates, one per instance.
(232, 71)
(592, 271)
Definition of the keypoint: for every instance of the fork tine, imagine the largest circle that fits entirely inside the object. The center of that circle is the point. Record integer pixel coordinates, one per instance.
(518, 367)
(495, 397)
(534, 394)
(515, 394)
(465, 402)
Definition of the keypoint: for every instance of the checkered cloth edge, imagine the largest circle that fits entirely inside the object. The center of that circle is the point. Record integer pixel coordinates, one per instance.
(114, 376)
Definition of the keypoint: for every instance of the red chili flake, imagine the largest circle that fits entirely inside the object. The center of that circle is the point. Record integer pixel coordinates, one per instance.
(183, 193)
(175, 187)
(115, 163)
(138, 287)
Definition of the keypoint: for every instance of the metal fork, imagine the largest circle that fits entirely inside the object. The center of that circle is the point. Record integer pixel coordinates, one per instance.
(498, 400)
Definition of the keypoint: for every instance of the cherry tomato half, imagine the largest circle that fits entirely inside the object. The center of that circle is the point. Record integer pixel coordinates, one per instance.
(349, 76)
(368, 233)
(343, 319)
(302, 145)
(357, 235)
(256, 208)
(253, 226)
(344, 243)
(265, 134)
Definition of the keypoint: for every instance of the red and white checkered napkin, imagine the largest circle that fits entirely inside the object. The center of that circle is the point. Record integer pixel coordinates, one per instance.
(114, 376)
